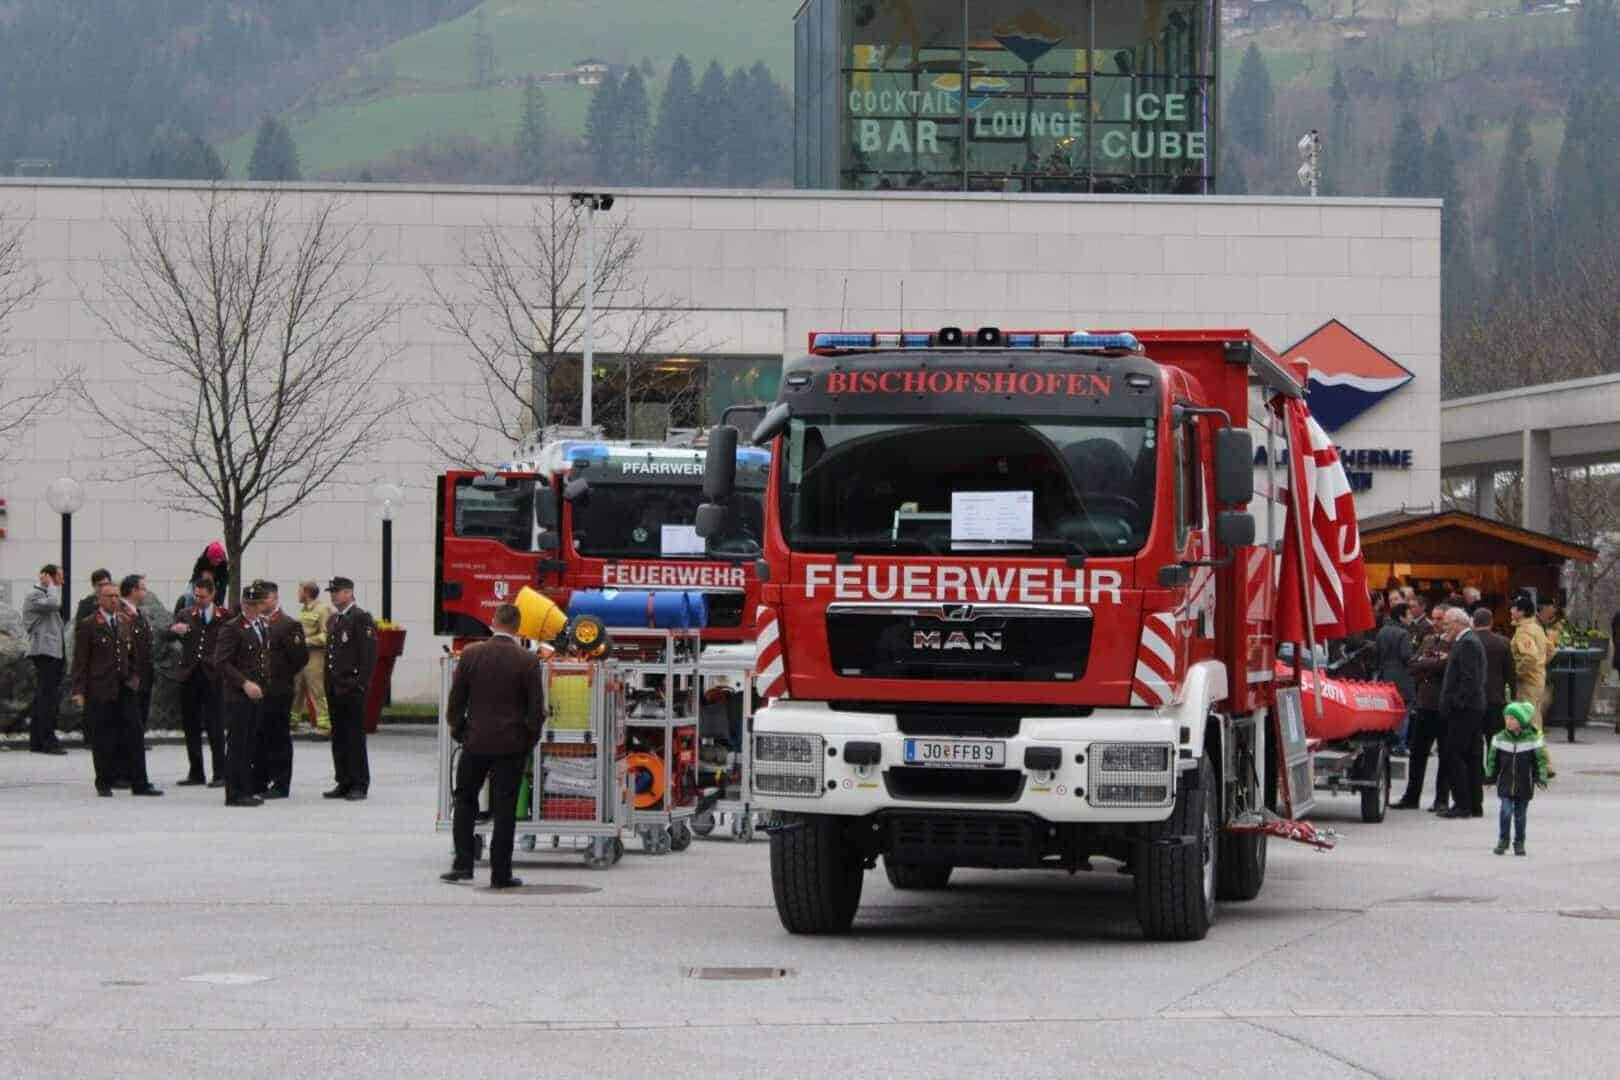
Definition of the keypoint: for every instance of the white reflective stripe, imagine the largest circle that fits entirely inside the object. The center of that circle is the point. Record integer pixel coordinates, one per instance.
(1159, 647)
(771, 672)
(1502, 742)
(1138, 701)
(1150, 679)
(767, 635)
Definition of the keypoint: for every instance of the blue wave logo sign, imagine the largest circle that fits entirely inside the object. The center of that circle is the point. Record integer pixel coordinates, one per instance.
(1348, 374)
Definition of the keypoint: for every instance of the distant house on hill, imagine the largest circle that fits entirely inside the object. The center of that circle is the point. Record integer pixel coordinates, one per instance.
(1263, 13)
(1235, 12)
(590, 72)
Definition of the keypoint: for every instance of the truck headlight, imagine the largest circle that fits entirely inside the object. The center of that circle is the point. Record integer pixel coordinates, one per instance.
(1132, 774)
(789, 765)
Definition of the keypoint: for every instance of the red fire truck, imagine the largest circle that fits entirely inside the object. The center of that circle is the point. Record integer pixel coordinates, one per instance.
(573, 512)
(1015, 614)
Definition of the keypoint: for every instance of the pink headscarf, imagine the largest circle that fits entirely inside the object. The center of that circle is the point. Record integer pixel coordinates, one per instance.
(215, 552)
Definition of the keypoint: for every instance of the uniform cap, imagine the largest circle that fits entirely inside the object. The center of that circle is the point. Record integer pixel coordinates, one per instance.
(253, 593)
(339, 583)
(266, 586)
(1521, 711)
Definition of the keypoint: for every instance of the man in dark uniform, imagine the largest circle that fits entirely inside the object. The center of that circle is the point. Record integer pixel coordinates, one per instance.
(284, 638)
(90, 601)
(1462, 703)
(495, 708)
(197, 629)
(1501, 680)
(351, 655)
(142, 670)
(102, 652)
(1428, 667)
(239, 663)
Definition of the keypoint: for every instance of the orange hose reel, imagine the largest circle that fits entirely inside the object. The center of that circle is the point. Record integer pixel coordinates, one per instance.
(653, 795)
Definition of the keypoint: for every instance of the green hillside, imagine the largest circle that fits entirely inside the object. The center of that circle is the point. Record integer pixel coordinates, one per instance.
(423, 87)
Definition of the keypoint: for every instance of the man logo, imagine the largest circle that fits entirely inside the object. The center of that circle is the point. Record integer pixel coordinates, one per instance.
(956, 641)
(502, 588)
(1349, 375)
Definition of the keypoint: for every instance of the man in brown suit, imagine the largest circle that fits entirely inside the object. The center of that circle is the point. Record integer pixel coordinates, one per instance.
(197, 629)
(351, 658)
(287, 654)
(142, 669)
(240, 661)
(102, 652)
(495, 708)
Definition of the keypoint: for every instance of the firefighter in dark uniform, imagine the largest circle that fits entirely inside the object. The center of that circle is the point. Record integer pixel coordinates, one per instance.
(103, 651)
(142, 669)
(284, 637)
(240, 658)
(197, 629)
(351, 655)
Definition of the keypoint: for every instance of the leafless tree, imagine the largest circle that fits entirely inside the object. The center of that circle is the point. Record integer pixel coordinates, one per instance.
(18, 286)
(253, 337)
(517, 304)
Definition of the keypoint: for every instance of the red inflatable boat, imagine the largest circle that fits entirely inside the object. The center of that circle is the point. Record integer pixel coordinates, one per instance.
(1349, 706)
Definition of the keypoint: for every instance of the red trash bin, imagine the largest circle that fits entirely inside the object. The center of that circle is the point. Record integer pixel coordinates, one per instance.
(390, 645)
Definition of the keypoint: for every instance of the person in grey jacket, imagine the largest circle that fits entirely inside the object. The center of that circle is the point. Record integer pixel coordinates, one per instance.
(42, 616)
(1394, 650)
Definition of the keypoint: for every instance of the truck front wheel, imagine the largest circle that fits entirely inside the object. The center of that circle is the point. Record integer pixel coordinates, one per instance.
(1176, 867)
(1242, 861)
(916, 875)
(816, 873)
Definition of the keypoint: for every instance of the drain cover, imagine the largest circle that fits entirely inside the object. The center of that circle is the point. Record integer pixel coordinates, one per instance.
(738, 973)
(1610, 914)
(548, 890)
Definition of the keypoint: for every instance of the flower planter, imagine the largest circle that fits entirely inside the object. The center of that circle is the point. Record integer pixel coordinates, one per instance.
(390, 646)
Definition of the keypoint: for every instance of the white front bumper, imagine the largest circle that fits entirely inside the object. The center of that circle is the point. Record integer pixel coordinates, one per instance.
(1061, 796)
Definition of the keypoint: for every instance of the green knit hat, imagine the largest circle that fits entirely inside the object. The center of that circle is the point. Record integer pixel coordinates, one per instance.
(1521, 711)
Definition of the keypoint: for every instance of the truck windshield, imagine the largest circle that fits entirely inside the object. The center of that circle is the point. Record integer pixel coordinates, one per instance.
(968, 484)
(657, 521)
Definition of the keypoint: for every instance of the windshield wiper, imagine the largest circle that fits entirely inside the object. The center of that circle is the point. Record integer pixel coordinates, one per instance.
(1076, 552)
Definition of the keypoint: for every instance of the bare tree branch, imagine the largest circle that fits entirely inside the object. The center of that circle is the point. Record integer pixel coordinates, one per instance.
(255, 345)
(19, 284)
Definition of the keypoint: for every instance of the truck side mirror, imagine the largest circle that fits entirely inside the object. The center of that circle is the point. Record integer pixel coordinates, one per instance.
(545, 505)
(1234, 528)
(774, 423)
(711, 520)
(720, 466)
(576, 489)
(546, 540)
(1234, 467)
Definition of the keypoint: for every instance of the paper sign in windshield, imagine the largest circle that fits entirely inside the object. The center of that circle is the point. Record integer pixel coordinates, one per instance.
(681, 540)
(992, 516)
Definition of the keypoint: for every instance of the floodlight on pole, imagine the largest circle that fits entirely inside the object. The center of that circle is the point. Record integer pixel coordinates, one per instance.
(591, 203)
(66, 496)
(1310, 153)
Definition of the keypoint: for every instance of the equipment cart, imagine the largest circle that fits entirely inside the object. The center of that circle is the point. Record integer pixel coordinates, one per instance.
(725, 740)
(1352, 739)
(662, 724)
(575, 796)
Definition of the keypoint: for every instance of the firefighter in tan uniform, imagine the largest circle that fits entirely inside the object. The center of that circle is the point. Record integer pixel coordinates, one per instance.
(1531, 653)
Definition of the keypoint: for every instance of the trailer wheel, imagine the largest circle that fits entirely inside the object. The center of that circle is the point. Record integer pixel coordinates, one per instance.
(816, 874)
(1375, 800)
(703, 824)
(916, 875)
(1176, 865)
(1241, 866)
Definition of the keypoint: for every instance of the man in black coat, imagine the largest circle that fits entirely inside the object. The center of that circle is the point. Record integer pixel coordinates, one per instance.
(1394, 650)
(240, 660)
(351, 657)
(1501, 680)
(1462, 703)
(197, 629)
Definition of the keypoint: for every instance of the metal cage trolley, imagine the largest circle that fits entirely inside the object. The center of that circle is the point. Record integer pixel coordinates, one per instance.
(662, 671)
(575, 794)
(725, 740)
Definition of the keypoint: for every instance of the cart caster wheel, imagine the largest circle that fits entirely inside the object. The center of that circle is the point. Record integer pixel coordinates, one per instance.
(526, 843)
(703, 824)
(680, 836)
(602, 854)
(617, 847)
(742, 827)
(656, 841)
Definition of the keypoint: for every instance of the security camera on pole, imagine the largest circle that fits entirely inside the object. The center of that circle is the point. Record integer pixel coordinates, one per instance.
(591, 203)
(1310, 152)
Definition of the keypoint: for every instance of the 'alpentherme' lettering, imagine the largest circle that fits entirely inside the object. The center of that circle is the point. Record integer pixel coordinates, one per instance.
(964, 584)
(1048, 383)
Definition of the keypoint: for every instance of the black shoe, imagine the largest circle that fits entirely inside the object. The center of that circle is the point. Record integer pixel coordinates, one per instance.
(244, 800)
(149, 790)
(1454, 813)
(1405, 804)
(1500, 848)
(276, 793)
(336, 793)
(1476, 813)
(104, 791)
(1439, 808)
(1518, 849)
(120, 785)
(453, 876)
(54, 751)
(216, 782)
(355, 795)
(192, 781)
(509, 883)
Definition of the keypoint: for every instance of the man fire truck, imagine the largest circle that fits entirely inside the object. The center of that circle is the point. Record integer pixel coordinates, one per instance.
(1014, 613)
(573, 512)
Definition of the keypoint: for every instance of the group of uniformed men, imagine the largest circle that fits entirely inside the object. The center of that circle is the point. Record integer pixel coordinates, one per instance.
(236, 673)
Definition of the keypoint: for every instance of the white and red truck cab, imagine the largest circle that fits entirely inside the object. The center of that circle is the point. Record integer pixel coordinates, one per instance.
(574, 512)
(1014, 614)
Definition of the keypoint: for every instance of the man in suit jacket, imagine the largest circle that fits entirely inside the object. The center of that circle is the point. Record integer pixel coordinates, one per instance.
(1500, 677)
(103, 657)
(239, 664)
(197, 629)
(1462, 703)
(285, 658)
(351, 657)
(495, 709)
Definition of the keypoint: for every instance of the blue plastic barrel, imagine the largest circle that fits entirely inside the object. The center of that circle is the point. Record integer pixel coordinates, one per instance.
(653, 610)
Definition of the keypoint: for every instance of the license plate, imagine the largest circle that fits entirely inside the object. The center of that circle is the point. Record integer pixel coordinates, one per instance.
(955, 752)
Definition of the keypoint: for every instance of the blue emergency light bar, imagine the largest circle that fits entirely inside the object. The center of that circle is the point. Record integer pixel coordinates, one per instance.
(986, 338)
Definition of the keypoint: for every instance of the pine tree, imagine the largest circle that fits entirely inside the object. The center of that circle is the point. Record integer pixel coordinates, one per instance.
(180, 155)
(601, 127)
(275, 156)
(533, 131)
(633, 124)
(739, 139)
(1515, 210)
(1339, 155)
(1231, 180)
(483, 52)
(1406, 158)
(710, 120)
(674, 141)
(1249, 108)
(1407, 89)
(1457, 272)
(774, 122)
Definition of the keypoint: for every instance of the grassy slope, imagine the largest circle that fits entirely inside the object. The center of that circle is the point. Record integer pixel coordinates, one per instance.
(532, 37)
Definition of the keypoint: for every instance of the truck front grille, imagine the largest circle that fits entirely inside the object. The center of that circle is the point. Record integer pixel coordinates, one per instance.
(956, 839)
(954, 785)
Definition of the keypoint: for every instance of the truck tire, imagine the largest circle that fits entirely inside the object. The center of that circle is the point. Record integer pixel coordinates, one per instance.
(1241, 867)
(816, 874)
(1375, 800)
(1177, 863)
(916, 875)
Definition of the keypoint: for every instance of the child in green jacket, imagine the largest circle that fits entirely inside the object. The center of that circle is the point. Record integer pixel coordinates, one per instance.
(1517, 761)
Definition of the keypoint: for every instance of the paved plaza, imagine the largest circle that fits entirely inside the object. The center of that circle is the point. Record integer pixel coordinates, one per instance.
(175, 938)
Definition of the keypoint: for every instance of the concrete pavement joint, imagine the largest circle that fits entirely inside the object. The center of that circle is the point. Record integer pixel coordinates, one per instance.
(1315, 1049)
(1266, 954)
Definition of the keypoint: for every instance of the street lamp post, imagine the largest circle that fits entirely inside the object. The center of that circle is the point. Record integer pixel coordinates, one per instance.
(590, 202)
(66, 496)
(387, 496)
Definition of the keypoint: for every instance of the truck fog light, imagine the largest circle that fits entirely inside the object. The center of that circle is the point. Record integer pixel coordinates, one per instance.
(789, 765)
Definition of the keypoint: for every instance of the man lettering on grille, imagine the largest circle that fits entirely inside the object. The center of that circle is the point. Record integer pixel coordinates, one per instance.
(495, 708)
(351, 656)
